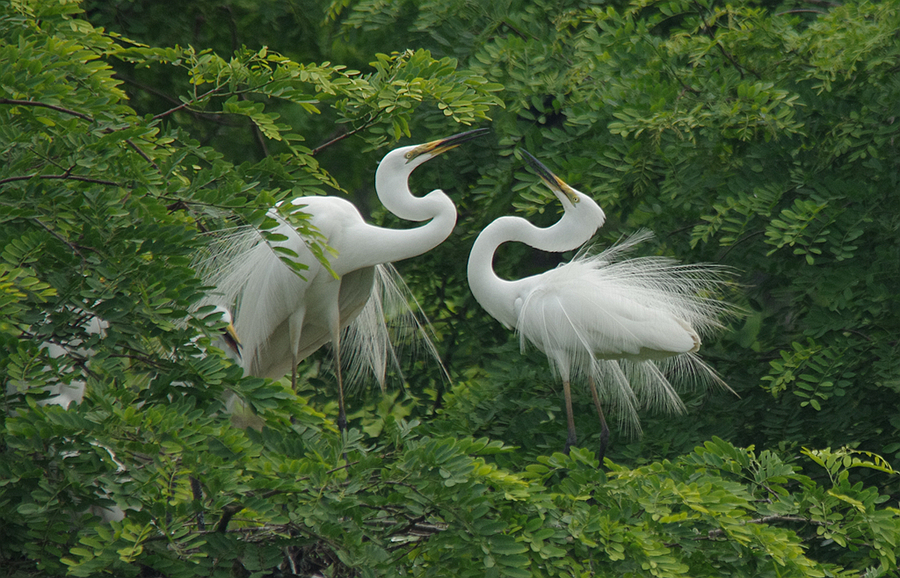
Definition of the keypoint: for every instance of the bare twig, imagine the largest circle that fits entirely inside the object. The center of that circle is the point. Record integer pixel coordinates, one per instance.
(45, 105)
(340, 137)
(142, 358)
(148, 89)
(62, 177)
(823, 3)
(712, 534)
(801, 11)
(257, 134)
(187, 104)
(735, 63)
(516, 31)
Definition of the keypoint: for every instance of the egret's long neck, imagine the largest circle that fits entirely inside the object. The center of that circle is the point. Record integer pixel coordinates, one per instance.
(497, 295)
(435, 207)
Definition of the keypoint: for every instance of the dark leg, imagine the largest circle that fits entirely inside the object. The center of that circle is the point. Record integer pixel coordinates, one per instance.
(295, 326)
(604, 432)
(570, 418)
(293, 380)
(342, 413)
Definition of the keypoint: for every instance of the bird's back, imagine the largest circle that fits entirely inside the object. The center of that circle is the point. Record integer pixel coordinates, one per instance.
(637, 309)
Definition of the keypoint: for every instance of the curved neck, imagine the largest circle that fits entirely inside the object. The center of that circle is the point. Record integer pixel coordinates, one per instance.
(392, 188)
(398, 244)
(488, 288)
(368, 245)
(498, 296)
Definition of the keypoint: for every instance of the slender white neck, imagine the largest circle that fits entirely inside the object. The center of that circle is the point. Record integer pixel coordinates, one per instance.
(497, 296)
(392, 187)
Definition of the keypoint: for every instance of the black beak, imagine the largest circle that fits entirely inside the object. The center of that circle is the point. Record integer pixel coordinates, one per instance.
(556, 184)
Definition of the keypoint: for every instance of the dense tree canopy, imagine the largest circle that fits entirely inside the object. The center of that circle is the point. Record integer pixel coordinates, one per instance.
(758, 135)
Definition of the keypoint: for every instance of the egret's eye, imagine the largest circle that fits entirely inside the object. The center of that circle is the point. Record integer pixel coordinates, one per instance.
(408, 155)
(570, 194)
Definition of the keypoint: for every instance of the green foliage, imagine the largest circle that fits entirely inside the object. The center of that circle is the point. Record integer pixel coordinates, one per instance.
(737, 124)
(755, 135)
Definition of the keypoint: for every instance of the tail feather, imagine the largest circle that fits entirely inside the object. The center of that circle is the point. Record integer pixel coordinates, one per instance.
(391, 327)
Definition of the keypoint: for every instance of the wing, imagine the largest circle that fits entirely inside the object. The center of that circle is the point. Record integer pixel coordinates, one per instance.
(629, 324)
(640, 308)
(248, 275)
(266, 294)
(578, 309)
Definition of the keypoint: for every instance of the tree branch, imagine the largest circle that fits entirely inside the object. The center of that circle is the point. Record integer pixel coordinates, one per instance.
(516, 31)
(801, 11)
(45, 105)
(73, 246)
(80, 115)
(62, 177)
(187, 104)
(342, 136)
(712, 36)
(140, 152)
(712, 534)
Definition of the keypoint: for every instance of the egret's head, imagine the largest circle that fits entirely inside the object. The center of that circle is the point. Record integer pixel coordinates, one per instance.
(229, 335)
(572, 200)
(566, 194)
(231, 339)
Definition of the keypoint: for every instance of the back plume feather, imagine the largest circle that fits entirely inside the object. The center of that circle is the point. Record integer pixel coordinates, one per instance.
(631, 324)
(390, 325)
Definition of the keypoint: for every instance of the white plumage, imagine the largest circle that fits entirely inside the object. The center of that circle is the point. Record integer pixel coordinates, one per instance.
(67, 390)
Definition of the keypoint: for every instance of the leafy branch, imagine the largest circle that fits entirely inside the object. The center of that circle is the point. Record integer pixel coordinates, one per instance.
(63, 177)
(18, 102)
(86, 117)
(708, 30)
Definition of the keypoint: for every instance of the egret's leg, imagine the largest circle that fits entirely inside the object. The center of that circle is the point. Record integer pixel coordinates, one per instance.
(295, 329)
(570, 417)
(604, 432)
(342, 413)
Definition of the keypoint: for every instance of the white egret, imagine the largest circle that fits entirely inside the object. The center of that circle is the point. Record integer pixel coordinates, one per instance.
(68, 390)
(281, 317)
(613, 322)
